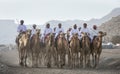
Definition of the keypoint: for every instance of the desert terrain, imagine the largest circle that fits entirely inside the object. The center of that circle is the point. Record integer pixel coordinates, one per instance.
(109, 64)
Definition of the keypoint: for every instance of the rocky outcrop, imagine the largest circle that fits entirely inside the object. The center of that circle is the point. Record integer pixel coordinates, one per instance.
(112, 27)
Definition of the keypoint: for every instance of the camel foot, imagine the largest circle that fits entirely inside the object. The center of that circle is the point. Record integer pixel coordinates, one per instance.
(26, 65)
(21, 64)
(48, 65)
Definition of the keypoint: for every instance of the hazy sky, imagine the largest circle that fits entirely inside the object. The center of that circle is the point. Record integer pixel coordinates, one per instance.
(41, 11)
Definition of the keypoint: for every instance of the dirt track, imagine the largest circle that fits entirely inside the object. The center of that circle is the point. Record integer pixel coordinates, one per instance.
(109, 64)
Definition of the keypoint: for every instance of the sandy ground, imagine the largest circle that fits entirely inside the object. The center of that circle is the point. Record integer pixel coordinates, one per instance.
(109, 64)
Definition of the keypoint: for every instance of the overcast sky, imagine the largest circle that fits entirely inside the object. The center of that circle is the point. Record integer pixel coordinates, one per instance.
(41, 11)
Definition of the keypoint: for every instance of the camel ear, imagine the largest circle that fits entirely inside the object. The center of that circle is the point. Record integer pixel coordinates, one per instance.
(82, 33)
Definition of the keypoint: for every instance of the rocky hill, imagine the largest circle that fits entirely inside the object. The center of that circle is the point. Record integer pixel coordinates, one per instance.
(68, 23)
(8, 27)
(112, 27)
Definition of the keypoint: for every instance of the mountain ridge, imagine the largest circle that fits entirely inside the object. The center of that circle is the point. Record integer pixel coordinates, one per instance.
(8, 28)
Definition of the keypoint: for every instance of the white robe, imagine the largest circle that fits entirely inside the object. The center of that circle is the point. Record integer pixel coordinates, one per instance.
(21, 28)
(58, 30)
(47, 31)
(74, 31)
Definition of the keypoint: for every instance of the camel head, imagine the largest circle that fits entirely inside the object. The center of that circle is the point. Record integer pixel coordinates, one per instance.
(84, 34)
(101, 34)
(75, 35)
(50, 36)
(38, 31)
(62, 35)
(50, 39)
(28, 32)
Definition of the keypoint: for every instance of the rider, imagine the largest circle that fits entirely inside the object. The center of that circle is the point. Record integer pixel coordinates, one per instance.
(33, 30)
(94, 32)
(73, 31)
(47, 31)
(85, 29)
(59, 30)
(21, 29)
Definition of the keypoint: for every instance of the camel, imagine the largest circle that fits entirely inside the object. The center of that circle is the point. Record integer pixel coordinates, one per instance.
(62, 47)
(23, 47)
(35, 47)
(97, 48)
(75, 48)
(50, 50)
(85, 50)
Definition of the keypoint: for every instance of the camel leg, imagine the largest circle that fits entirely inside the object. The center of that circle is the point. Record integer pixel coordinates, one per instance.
(92, 59)
(81, 59)
(84, 62)
(58, 60)
(63, 59)
(55, 58)
(77, 59)
(88, 59)
(74, 60)
(95, 60)
(98, 59)
(39, 58)
(69, 59)
(48, 57)
(36, 59)
(25, 58)
(33, 59)
(22, 57)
